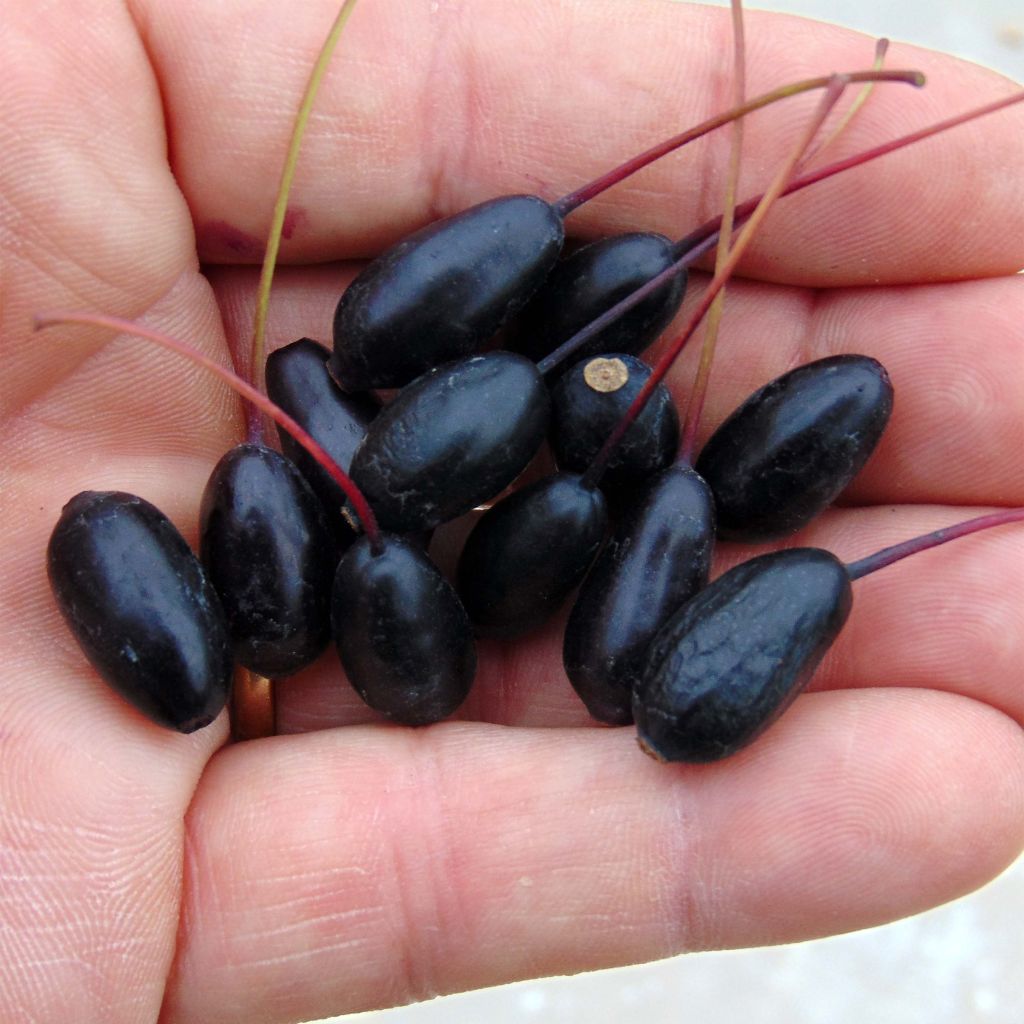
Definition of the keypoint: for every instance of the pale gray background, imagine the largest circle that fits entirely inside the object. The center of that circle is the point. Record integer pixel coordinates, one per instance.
(959, 964)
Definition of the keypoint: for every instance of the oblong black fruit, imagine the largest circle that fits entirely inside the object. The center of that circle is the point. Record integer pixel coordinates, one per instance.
(527, 553)
(404, 638)
(658, 557)
(298, 381)
(442, 292)
(453, 438)
(266, 546)
(736, 655)
(141, 608)
(591, 281)
(789, 450)
(587, 404)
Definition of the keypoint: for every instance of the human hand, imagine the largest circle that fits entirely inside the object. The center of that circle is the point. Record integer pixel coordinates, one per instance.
(349, 864)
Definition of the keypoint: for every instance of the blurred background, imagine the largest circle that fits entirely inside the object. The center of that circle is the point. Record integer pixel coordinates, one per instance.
(959, 964)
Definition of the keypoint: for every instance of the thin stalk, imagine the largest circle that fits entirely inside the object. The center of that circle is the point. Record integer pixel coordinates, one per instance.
(712, 226)
(259, 327)
(828, 101)
(564, 206)
(699, 249)
(245, 389)
(880, 559)
(881, 49)
(700, 241)
(707, 353)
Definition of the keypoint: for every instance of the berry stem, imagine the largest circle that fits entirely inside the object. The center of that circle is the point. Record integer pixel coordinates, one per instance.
(245, 389)
(832, 93)
(707, 351)
(564, 206)
(880, 559)
(702, 240)
(881, 49)
(711, 227)
(701, 247)
(259, 327)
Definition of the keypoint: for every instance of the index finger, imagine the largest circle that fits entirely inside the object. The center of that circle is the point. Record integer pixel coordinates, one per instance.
(431, 107)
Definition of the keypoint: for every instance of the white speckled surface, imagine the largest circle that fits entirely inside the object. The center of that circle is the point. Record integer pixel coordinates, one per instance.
(958, 964)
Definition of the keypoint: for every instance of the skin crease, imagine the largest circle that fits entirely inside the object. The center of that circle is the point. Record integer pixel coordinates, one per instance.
(149, 876)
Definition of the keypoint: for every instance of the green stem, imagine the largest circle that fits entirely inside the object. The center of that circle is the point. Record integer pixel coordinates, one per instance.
(707, 352)
(259, 328)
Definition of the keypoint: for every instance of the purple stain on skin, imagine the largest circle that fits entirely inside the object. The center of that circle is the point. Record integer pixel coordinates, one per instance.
(219, 238)
(293, 218)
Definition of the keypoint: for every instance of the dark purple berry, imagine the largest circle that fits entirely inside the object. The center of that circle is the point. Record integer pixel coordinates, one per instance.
(142, 610)
(791, 448)
(267, 549)
(529, 552)
(404, 638)
(454, 438)
(736, 655)
(658, 557)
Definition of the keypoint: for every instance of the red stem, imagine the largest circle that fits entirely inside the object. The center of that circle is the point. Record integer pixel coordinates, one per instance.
(812, 178)
(246, 390)
(828, 101)
(701, 241)
(564, 206)
(581, 337)
(880, 559)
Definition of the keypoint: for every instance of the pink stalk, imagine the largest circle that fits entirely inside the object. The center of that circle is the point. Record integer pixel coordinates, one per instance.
(702, 240)
(246, 390)
(880, 559)
(711, 227)
(832, 94)
(564, 206)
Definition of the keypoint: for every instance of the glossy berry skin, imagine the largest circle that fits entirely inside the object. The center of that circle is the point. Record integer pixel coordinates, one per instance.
(404, 638)
(267, 549)
(583, 415)
(454, 438)
(791, 448)
(591, 281)
(528, 553)
(141, 608)
(735, 656)
(443, 291)
(298, 381)
(658, 557)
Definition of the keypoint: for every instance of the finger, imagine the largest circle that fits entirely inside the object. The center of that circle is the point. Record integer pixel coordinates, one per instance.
(430, 108)
(90, 216)
(93, 796)
(81, 408)
(350, 869)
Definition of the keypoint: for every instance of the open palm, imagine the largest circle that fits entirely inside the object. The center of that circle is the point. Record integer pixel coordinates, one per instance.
(148, 875)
